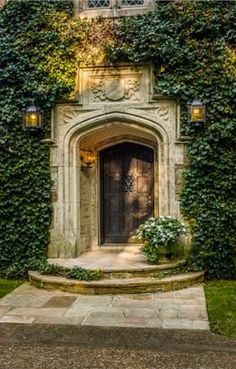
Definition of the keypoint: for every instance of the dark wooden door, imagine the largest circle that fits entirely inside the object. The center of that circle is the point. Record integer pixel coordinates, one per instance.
(126, 190)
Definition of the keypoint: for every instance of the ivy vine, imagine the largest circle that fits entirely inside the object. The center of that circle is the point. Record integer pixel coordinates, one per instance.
(192, 49)
(37, 60)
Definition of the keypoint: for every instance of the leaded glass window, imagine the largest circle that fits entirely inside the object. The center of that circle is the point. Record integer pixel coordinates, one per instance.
(98, 3)
(132, 2)
(128, 184)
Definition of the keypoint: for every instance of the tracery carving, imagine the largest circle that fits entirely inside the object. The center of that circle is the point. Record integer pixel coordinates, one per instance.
(163, 112)
(69, 113)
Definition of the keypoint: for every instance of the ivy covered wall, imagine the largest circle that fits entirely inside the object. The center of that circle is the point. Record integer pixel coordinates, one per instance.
(191, 47)
(37, 60)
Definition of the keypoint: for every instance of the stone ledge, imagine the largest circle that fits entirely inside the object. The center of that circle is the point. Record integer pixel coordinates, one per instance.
(116, 286)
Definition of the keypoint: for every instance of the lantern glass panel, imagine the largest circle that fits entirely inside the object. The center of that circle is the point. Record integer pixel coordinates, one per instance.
(33, 118)
(197, 113)
(87, 158)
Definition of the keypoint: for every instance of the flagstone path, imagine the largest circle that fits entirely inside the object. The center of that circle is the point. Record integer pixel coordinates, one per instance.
(183, 309)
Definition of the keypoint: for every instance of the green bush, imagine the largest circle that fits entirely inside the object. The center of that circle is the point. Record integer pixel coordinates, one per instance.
(20, 269)
(48, 268)
(84, 275)
(160, 232)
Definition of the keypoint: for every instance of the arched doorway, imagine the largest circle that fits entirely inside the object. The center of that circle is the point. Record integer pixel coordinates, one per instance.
(77, 211)
(127, 190)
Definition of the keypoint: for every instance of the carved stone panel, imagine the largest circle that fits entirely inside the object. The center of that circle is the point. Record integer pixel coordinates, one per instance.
(67, 112)
(179, 169)
(163, 112)
(113, 85)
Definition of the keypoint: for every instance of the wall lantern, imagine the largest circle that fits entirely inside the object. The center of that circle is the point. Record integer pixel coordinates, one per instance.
(87, 158)
(32, 118)
(197, 113)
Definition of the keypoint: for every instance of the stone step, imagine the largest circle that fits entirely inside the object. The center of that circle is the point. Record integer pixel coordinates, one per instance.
(116, 286)
(135, 270)
(142, 271)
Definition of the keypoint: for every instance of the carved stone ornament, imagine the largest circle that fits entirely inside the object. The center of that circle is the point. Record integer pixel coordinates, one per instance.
(163, 113)
(179, 169)
(115, 89)
(69, 113)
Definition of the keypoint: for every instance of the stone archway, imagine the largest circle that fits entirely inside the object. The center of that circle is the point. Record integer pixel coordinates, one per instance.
(90, 190)
(76, 225)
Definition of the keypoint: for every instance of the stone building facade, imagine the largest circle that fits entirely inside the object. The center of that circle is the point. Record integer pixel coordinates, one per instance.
(116, 105)
(114, 114)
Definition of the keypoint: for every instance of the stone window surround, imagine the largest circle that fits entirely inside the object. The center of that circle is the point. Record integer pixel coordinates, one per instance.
(113, 3)
(116, 9)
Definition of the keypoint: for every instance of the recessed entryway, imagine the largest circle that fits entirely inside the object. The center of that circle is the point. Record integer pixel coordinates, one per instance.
(127, 190)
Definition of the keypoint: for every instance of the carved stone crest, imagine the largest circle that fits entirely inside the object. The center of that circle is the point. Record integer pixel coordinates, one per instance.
(115, 89)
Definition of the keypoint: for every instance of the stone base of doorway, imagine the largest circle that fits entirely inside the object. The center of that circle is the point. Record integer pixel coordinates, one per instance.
(116, 286)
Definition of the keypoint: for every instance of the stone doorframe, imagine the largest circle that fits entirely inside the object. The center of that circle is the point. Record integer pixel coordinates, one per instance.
(67, 239)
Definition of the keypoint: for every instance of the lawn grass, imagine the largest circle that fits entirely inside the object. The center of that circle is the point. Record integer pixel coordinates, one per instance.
(221, 306)
(7, 285)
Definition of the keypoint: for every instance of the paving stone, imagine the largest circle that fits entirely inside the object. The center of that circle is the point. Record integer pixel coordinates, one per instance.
(102, 319)
(59, 320)
(169, 313)
(177, 324)
(138, 297)
(192, 312)
(37, 311)
(17, 319)
(80, 310)
(131, 322)
(60, 301)
(201, 324)
(34, 297)
(4, 310)
(140, 313)
(94, 300)
(26, 288)
(153, 323)
(127, 302)
(9, 300)
(175, 301)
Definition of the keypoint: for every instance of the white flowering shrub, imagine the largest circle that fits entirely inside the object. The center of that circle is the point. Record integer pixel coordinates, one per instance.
(159, 232)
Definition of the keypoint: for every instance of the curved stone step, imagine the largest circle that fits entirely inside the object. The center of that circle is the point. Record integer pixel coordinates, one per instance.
(142, 270)
(116, 286)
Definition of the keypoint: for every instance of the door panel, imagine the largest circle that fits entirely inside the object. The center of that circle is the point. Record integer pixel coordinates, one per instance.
(126, 190)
